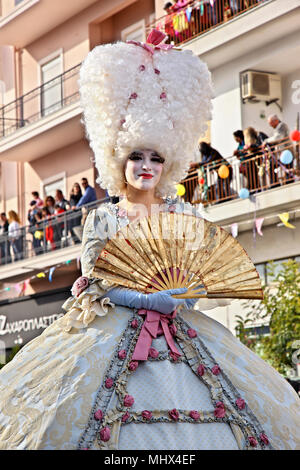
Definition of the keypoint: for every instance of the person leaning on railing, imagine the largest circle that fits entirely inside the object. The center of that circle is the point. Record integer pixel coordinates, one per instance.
(212, 160)
(15, 235)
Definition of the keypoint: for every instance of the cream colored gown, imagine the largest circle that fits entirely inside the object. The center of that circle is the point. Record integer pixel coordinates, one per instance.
(74, 386)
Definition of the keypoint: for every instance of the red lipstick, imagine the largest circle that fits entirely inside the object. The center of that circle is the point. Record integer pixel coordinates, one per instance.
(146, 175)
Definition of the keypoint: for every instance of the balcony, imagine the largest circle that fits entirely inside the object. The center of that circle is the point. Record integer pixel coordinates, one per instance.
(43, 120)
(34, 18)
(50, 241)
(254, 184)
(220, 34)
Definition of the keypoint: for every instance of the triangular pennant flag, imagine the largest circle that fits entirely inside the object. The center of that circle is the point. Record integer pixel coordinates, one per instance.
(41, 275)
(68, 262)
(234, 230)
(51, 271)
(284, 217)
(258, 225)
(188, 13)
(18, 287)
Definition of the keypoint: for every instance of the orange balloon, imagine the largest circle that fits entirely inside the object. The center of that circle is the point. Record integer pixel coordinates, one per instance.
(223, 171)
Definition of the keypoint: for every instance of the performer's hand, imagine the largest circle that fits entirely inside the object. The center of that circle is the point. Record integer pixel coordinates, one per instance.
(162, 301)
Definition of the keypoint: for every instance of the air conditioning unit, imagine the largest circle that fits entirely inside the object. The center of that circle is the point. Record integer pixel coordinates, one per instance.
(260, 86)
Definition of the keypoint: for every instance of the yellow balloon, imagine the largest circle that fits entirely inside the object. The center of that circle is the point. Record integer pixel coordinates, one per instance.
(180, 189)
(223, 171)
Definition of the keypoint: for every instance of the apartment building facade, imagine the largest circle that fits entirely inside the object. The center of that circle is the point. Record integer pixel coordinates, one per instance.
(42, 141)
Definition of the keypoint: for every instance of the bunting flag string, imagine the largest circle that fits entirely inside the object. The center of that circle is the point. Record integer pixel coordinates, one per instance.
(234, 230)
(21, 286)
(258, 225)
(284, 217)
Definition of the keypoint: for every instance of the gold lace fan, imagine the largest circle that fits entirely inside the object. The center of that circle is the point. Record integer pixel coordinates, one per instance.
(170, 250)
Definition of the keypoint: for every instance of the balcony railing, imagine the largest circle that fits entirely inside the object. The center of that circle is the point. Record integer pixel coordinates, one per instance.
(193, 18)
(47, 235)
(255, 172)
(40, 102)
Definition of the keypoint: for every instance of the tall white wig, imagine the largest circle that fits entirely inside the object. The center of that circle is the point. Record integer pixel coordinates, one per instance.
(133, 98)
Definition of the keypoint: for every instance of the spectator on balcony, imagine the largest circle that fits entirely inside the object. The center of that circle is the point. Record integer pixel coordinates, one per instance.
(5, 244)
(33, 217)
(15, 235)
(58, 221)
(89, 194)
(61, 201)
(211, 159)
(75, 196)
(50, 228)
(50, 203)
(280, 141)
(169, 28)
(239, 138)
(251, 161)
(39, 201)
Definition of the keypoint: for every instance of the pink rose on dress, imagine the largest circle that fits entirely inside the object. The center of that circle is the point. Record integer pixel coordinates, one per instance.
(128, 400)
(219, 411)
(109, 383)
(173, 329)
(201, 370)
(133, 365)
(122, 354)
(191, 333)
(134, 324)
(240, 403)
(98, 415)
(174, 356)
(79, 286)
(264, 438)
(105, 434)
(194, 414)
(252, 441)
(125, 417)
(216, 370)
(147, 414)
(153, 353)
(174, 414)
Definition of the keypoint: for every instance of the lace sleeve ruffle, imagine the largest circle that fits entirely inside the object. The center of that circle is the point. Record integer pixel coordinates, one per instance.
(82, 310)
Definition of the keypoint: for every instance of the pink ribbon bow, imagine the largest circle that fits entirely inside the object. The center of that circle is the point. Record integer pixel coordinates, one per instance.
(155, 324)
(155, 37)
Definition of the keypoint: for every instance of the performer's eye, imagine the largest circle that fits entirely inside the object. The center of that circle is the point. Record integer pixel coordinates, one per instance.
(135, 156)
(155, 157)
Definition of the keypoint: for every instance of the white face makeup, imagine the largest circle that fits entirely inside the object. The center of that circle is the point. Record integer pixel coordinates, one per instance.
(143, 169)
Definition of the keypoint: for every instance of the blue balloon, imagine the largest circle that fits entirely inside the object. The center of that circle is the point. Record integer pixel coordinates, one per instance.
(244, 193)
(286, 157)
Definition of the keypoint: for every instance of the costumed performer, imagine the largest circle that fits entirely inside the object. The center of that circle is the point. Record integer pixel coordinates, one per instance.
(121, 369)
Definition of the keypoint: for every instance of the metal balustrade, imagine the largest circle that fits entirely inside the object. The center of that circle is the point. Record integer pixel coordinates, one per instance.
(197, 17)
(256, 172)
(64, 229)
(46, 99)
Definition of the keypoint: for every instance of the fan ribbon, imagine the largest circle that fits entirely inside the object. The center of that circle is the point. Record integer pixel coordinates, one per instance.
(155, 324)
(153, 41)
